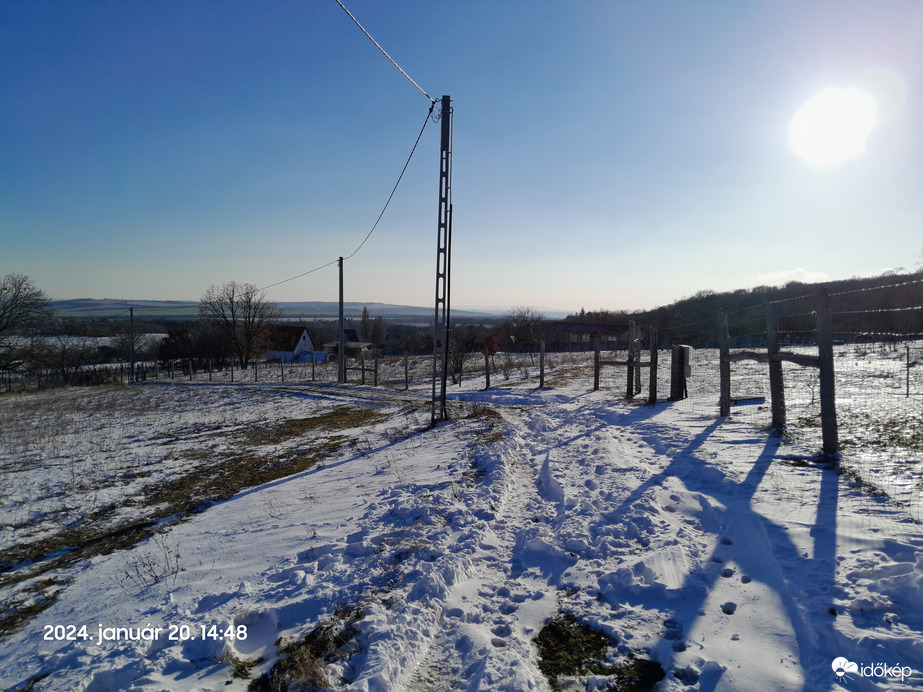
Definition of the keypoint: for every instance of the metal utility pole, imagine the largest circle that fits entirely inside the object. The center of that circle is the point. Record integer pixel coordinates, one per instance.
(341, 341)
(131, 344)
(443, 263)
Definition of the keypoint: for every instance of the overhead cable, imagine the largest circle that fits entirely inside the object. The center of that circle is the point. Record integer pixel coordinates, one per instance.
(384, 209)
(399, 178)
(310, 271)
(384, 52)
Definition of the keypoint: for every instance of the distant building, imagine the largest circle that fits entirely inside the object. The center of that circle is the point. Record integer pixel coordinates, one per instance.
(353, 347)
(578, 336)
(292, 345)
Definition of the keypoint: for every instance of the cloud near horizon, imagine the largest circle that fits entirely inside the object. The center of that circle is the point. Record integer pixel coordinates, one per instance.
(784, 276)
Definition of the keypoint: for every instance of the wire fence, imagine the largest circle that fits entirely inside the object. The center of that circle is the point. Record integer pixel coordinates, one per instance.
(876, 344)
(877, 356)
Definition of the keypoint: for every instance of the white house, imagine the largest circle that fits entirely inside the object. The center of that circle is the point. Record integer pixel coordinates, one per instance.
(291, 344)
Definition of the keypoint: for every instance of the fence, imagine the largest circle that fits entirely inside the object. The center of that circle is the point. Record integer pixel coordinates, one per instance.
(49, 378)
(841, 373)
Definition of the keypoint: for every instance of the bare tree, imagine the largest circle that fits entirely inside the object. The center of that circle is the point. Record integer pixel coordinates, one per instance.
(20, 303)
(463, 342)
(524, 327)
(242, 315)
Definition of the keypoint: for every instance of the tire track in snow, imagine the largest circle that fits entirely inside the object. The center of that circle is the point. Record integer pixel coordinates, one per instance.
(539, 530)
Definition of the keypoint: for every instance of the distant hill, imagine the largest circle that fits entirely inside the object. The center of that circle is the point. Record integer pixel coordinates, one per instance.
(102, 308)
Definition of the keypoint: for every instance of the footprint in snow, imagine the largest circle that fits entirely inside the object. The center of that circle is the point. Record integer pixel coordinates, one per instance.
(502, 630)
(674, 630)
(729, 608)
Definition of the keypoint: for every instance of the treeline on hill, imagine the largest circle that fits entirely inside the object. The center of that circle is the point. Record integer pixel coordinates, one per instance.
(883, 306)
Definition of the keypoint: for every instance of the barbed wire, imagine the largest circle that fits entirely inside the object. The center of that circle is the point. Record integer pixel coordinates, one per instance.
(792, 300)
(690, 324)
(878, 310)
(859, 335)
(875, 288)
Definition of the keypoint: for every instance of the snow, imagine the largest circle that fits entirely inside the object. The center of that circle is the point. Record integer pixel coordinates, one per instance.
(687, 539)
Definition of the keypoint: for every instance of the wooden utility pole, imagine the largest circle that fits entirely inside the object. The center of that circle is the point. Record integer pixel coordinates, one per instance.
(443, 263)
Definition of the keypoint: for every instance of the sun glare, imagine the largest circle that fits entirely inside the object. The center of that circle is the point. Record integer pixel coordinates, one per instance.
(832, 126)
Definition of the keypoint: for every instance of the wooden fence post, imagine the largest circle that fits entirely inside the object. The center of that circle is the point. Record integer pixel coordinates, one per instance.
(776, 384)
(652, 382)
(541, 365)
(375, 373)
(629, 390)
(486, 369)
(907, 346)
(637, 351)
(676, 385)
(281, 370)
(595, 364)
(827, 376)
(724, 367)
(406, 371)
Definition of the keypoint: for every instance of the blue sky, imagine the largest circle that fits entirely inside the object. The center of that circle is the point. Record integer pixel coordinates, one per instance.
(606, 154)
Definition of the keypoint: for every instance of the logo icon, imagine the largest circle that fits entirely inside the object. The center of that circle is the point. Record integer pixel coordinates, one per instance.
(842, 666)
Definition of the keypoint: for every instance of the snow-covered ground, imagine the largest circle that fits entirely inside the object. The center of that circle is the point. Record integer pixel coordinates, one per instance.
(434, 557)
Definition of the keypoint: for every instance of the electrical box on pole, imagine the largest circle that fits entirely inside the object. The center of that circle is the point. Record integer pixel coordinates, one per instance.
(443, 264)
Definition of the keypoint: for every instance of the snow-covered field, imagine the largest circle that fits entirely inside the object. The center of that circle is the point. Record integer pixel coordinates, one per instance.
(419, 558)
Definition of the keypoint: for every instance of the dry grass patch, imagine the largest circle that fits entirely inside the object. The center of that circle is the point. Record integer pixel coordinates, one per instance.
(302, 662)
(568, 649)
(341, 418)
(212, 477)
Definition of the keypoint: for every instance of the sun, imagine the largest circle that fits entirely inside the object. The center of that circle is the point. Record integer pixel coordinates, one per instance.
(832, 126)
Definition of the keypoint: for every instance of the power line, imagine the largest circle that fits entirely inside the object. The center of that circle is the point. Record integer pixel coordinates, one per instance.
(384, 52)
(310, 271)
(368, 235)
(375, 225)
(399, 178)
(429, 115)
